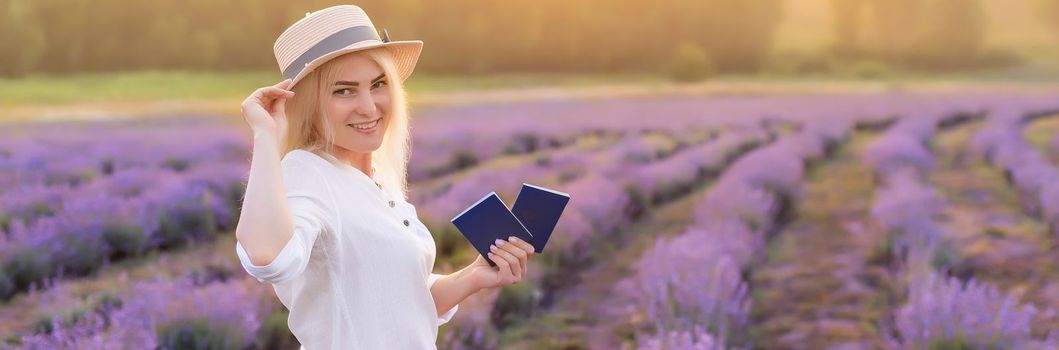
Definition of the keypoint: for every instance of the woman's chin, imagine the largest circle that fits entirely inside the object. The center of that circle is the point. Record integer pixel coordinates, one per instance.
(362, 147)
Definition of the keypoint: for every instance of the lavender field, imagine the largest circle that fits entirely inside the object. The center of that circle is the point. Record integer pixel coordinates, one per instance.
(868, 220)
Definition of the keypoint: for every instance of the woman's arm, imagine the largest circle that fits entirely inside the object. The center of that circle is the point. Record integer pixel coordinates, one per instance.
(265, 222)
(511, 258)
(451, 289)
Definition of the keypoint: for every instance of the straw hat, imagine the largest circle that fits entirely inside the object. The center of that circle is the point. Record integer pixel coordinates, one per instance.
(332, 32)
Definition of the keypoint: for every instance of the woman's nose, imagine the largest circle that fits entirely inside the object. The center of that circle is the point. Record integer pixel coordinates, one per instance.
(365, 105)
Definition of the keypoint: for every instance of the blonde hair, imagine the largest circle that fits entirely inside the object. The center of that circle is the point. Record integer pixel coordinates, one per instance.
(308, 128)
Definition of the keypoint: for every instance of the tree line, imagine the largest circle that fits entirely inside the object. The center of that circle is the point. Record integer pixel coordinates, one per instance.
(476, 36)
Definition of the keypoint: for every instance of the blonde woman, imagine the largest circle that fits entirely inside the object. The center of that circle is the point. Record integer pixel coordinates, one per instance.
(325, 218)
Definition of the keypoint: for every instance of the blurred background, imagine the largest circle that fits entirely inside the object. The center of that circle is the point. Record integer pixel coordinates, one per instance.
(745, 174)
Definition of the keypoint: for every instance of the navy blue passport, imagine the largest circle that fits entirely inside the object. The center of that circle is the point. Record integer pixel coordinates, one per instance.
(538, 209)
(488, 220)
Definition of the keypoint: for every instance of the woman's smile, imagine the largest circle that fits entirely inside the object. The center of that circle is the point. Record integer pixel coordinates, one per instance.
(367, 127)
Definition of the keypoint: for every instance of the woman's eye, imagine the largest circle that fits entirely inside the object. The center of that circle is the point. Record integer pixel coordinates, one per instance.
(378, 84)
(346, 91)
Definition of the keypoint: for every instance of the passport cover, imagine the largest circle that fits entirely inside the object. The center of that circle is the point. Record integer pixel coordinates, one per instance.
(488, 220)
(538, 209)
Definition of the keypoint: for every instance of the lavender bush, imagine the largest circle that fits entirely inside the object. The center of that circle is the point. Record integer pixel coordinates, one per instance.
(944, 312)
(165, 314)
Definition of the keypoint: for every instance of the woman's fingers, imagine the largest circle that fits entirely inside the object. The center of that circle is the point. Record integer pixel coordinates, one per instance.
(278, 109)
(528, 248)
(264, 108)
(283, 84)
(266, 94)
(513, 262)
(517, 251)
(265, 98)
(503, 266)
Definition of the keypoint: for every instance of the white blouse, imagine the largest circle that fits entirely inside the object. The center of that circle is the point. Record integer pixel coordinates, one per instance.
(357, 272)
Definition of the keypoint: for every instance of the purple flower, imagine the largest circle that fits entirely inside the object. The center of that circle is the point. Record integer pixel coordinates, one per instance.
(733, 200)
(972, 314)
(234, 308)
(472, 327)
(694, 339)
(774, 168)
(692, 281)
(895, 150)
(903, 201)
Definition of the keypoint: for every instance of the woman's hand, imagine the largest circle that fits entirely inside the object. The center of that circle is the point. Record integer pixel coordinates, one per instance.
(512, 263)
(264, 109)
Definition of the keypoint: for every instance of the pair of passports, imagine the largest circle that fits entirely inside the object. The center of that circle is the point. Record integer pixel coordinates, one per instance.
(532, 218)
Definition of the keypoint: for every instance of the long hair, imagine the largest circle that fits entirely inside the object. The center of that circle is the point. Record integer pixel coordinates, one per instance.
(308, 128)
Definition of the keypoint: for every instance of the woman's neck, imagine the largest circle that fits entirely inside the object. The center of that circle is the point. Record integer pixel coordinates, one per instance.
(361, 161)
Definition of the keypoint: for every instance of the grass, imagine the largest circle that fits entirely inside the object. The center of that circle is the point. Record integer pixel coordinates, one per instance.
(130, 86)
(806, 300)
(155, 86)
(188, 85)
(1041, 132)
(146, 93)
(139, 94)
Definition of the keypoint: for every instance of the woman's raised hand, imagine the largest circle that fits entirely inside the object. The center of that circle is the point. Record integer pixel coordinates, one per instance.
(512, 263)
(264, 109)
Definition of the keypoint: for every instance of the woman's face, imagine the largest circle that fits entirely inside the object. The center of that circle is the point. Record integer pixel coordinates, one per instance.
(358, 104)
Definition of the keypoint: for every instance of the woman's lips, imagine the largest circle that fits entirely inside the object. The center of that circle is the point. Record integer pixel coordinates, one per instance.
(368, 127)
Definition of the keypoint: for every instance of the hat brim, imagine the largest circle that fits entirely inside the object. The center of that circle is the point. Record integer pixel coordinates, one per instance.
(405, 56)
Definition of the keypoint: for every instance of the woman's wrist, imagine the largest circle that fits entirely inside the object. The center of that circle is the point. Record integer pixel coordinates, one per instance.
(263, 134)
(466, 278)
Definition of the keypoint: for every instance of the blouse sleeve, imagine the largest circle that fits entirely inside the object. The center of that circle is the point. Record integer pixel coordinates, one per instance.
(308, 198)
(444, 318)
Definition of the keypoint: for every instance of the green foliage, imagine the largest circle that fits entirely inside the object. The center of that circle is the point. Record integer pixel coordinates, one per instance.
(5, 222)
(995, 232)
(7, 286)
(125, 239)
(866, 69)
(523, 143)
(197, 334)
(13, 339)
(45, 324)
(960, 343)
(945, 257)
(491, 36)
(42, 209)
(690, 63)
(78, 257)
(447, 239)
(463, 160)
(176, 164)
(948, 34)
(188, 221)
(791, 63)
(28, 267)
(234, 199)
(275, 334)
(107, 303)
(515, 303)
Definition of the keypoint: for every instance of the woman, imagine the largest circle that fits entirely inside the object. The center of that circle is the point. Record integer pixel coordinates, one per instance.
(328, 225)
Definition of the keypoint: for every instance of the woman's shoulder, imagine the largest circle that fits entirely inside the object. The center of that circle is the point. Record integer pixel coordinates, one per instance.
(302, 157)
(303, 166)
